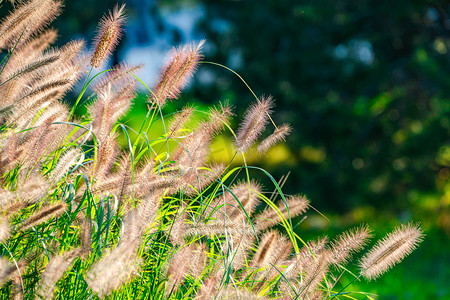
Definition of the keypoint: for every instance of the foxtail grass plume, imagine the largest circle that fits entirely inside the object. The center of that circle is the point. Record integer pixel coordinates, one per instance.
(118, 76)
(273, 249)
(117, 267)
(348, 243)
(182, 63)
(269, 249)
(65, 163)
(85, 237)
(255, 121)
(390, 250)
(308, 255)
(277, 136)
(29, 51)
(294, 206)
(7, 270)
(108, 34)
(231, 228)
(227, 208)
(198, 260)
(179, 227)
(187, 260)
(219, 117)
(209, 287)
(41, 62)
(112, 102)
(44, 215)
(4, 229)
(41, 42)
(54, 270)
(30, 192)
(106, 155)
(178, 122)
(233, 293)
(140, 218)
(240, 247)
(179, 267)
(26, 20)
(313, 274)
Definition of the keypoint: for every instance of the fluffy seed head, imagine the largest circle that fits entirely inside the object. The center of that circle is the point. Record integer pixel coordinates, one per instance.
(219, 117)
(182, 64)
(179, 227)
(53, 272)
(119, 75)
(179, 267)
(268, 249)
(255, 121)
(117, 267)
(66, 161)
(269, 217)
(226, 206)
(4, 229)
(348, 243)
(391, 250)
(41, 42)
(278, 135)
(209, 288)
(29, 52)
(106, 156)
(38, 64)
(45, 214)
(179, 120)
(26, 20)
(197, 260)
(7, 270)
(108, 34)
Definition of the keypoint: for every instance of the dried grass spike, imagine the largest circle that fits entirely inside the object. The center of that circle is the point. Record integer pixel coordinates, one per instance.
(114, 269)
(391, 250)
(269, 217)
(268, 249)
(109, 32)
(71, 51)
(7, 270)
(65, 162)
(255, 121)
(348, 243)
(209, 288)
(40, 63)
(176, 73)
(179, 120)
(278, 135)
(198, 260)
(179, 267)
(41, 42)
(26, 20)
(179, 227)
(4, 229)
(44, 215)
(119, 75)
(219, 117)
(53, 272)
(106, 155)
(28, 52)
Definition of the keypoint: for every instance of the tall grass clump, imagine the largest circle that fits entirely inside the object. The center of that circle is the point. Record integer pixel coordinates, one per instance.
(82, 218)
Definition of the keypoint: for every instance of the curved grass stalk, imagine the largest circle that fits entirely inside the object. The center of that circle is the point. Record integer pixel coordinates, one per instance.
(242, 79)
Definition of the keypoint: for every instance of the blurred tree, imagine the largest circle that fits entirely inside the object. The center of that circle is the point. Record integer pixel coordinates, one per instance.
(366, 85)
